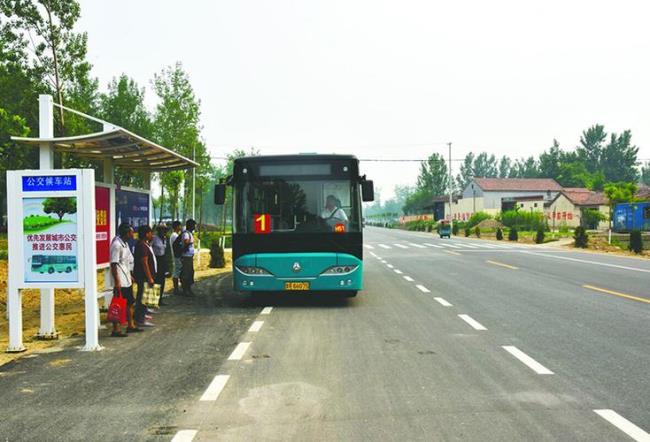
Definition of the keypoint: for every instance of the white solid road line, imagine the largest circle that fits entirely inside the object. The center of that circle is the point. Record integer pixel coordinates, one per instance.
(239, 351)
(472, 322)
(384, 246)
(399, 272)
(627, 427)
(184, 436)
(401, 246)
(433, 245)
(586, 261)
(443, 302)
(408, 278)
(417, 245)
(256, 326)
(423, 289)
(215, 388)
(266, 311)
(527, 360)
(368, 246)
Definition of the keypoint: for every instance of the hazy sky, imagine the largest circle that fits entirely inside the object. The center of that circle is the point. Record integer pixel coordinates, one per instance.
(389, 79)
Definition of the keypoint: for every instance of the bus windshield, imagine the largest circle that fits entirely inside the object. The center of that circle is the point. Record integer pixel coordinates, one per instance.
(300, 204)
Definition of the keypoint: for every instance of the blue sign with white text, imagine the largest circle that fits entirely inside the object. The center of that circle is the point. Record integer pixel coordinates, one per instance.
(54, 183)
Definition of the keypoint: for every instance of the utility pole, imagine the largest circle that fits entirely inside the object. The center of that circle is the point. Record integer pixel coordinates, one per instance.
(193, 183)
(451, 192)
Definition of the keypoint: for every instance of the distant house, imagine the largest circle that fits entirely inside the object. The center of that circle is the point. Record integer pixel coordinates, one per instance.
(569, 205)
(494, 195)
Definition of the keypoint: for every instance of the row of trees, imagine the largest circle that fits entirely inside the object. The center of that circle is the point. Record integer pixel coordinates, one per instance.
(40, 52)
(599, 158)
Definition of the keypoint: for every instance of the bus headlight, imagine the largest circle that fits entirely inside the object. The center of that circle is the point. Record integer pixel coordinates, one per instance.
(340, 270)
(250, 270)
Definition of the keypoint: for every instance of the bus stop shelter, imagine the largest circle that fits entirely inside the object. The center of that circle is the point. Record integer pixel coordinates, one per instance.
(114, 147)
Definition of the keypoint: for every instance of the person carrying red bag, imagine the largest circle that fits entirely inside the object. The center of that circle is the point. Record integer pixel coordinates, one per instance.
(121, 268)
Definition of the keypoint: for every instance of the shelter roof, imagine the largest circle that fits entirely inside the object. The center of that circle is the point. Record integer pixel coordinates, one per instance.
(585, 197)
(518, 184)
(126, 149)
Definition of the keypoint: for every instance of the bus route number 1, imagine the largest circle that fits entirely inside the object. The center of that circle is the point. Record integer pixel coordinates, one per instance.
(262, 223)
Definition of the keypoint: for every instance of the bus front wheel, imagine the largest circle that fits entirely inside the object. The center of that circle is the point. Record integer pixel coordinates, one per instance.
(50, 270)
(68, 269)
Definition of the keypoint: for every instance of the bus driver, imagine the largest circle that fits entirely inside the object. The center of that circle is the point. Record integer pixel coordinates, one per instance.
(332, 214)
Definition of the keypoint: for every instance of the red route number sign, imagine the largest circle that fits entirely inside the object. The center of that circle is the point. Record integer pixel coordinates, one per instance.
(262, 223)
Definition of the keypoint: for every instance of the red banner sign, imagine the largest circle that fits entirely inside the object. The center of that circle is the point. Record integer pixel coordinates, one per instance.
(103, 224)
(262, 223)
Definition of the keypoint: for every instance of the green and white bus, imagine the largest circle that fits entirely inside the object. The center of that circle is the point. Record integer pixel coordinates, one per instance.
(53, 263)
(297, 223)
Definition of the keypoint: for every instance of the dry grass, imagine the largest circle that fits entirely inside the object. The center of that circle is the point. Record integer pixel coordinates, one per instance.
(69, 310)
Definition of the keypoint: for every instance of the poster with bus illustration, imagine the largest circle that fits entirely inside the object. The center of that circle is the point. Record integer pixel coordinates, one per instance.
(50, 243)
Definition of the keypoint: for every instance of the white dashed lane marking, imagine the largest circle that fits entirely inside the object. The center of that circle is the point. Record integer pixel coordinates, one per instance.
(266, 311)
(423, 289)
(401, 246)
(443, 302)
(239, 351)
(433, 245)
(256, 326)
(417, 245)
(408, 278)
(472, 322)
(368, 246)
(384, 246)
(527, 360)
(399, 272)
(184, 436)
(390, 266)
(451, 245)
(215, 388)
(627, 427)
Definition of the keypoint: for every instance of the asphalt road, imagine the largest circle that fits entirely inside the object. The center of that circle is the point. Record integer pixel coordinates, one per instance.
(450, 340)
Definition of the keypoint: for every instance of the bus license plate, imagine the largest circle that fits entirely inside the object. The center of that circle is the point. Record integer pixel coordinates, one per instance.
(296, 286)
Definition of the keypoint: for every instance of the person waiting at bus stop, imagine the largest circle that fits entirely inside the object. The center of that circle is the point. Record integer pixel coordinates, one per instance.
(332, 213)
(143, 271)
(121, 268)
(187, 258)
(177, 228)
(163, 258)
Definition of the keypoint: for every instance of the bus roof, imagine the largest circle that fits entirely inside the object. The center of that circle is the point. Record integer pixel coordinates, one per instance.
(296, 157)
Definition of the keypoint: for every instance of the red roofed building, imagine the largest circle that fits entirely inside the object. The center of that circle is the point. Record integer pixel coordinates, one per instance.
(569, 207)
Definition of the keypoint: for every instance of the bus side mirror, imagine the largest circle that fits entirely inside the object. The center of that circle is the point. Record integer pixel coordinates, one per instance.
(367, 191)
(219, 194)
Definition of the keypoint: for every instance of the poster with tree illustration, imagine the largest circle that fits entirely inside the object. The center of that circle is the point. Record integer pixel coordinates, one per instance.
(51, 236)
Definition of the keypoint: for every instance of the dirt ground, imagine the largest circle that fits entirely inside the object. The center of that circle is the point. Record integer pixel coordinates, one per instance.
(69, 311)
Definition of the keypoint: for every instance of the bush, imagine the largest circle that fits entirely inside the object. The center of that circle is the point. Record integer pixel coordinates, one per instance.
(468, 231)
(591, 218)
(564, 228)
(217, 257)
(455, 228)
(477, 231)
(513, 235)
(636, 241)
(523, 220)
(499, 234)
(477, 218)
(581, 238)
(539, 238)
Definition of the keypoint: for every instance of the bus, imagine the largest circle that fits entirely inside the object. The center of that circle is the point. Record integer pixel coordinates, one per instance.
(54, 263)
(297, 223)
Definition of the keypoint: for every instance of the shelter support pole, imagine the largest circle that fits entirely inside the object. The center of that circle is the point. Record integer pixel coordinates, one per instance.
(90, 266)
(47, 329)
(109, 178)
(15, 310)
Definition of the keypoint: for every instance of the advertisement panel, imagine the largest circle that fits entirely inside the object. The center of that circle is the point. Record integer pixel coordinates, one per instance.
(131, 207)
(103, 224)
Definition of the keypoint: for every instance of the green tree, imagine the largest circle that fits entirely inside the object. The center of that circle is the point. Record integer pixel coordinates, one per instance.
(591, 147)
(123, 105)
(466, 173)
(617, 193)
(485, 166)
(12, 156)
(619, 158)
(525, 168)
(550, 162)
(645, 174)
(433, 177)
(57, 52)
(177, 126)
(505, 165)
(60, 206)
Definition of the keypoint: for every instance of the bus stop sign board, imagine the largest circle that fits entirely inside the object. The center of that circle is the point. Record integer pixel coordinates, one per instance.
(48, 226)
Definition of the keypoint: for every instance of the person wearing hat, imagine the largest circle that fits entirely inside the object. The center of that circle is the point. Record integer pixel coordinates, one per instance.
(163, 257)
